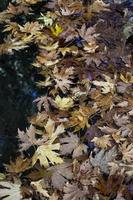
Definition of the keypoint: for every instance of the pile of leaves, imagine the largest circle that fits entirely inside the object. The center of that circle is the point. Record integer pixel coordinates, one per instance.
(79, 145)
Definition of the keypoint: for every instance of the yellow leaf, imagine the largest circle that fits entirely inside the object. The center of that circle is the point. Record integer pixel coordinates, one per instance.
(128, 78)
(2, 176)
(46, 154)
(40, 187)
(53, 132)
(103, 141)
(56, 30)
(64, 103)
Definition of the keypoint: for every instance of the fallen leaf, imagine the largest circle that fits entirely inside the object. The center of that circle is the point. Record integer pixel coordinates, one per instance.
(102, 158)
(39, 186)
(10, 191)
(127, 152)
(46, 154)
(20, 165)
(61, 174)
(103, 141)
(63, 103)
(29, 139)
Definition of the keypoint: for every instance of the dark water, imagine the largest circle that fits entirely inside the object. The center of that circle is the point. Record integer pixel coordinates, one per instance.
(17, 92)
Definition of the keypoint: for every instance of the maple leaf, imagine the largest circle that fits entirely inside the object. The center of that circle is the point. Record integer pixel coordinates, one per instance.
(47, 21)
(10, 191)
(73, 192)
(46, 58)
(60, 174)
(53, 132)
(12, 44)
(12, 27)
(45, 102)
(56, 30)
(128, 78)
(72, 145)
(69, 34)
(102, 158)
(20, 165)
(103, 141)
(62, 78)
(31, 28)
(118, 137)
(40, 187)
(15, 10)
(98, 6)
(107, 86)
(88, 34)
(29, 139)
(127, 152)
(46, 153)
(64, 103)
(65, 11)
(121, 120)
(80, 117)
(50, 47)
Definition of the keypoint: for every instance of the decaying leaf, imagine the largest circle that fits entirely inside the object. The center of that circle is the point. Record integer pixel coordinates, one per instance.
(40, 187)
(20, 165)
(61, 174)
(10, 191)
(29, 139)
(121, 120)
(103, 141)
(127, 152)
(73, 192)
(71, 145)
(102, 158)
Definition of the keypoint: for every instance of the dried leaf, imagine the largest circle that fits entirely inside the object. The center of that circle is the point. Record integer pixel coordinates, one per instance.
(107, 86)
(40, 187)
(73, 192)
(46, 154)
(29, 139)
(72, 145)
(121, 120)
(61, 174)
(20, 165)
(103, 141)
(127, 152)
(10, 191)
(102, 158)
(63, 103)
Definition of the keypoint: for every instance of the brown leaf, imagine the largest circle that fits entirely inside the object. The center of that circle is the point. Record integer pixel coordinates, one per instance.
(61, 174)
(72, 145)
(20, 165)
(73, 192)
(29, 139)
